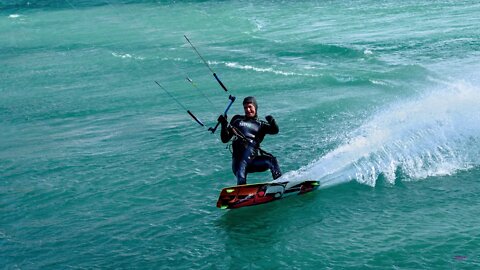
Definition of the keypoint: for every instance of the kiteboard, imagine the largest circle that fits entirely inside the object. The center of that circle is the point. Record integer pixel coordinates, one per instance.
(259, 193)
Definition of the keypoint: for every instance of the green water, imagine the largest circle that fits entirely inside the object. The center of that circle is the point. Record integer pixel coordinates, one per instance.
(101, 169)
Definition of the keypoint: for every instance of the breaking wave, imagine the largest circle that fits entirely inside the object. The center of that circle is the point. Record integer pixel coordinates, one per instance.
(259, 69)
(127, 56)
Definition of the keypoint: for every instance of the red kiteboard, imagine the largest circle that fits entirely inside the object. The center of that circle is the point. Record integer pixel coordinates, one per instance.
(253, 194)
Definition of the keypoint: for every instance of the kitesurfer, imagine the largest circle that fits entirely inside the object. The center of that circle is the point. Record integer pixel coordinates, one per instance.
(249, 131)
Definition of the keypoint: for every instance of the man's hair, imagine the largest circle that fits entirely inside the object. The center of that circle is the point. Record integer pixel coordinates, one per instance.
(252, 100)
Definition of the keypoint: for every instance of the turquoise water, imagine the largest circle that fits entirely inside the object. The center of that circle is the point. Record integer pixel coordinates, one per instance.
(101, 169)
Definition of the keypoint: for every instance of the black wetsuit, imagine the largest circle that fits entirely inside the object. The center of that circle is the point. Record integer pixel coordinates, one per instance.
(245, 155)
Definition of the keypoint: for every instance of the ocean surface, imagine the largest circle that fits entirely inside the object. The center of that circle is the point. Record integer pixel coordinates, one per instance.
(100, 168)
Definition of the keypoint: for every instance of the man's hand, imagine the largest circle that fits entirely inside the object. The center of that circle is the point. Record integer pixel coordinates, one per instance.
(223, 120)
(269, 119)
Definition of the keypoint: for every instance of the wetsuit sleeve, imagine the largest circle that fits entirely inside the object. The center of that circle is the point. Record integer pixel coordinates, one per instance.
(226, 133)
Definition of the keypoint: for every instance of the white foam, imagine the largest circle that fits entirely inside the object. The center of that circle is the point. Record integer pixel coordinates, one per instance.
(126, 56)
(259, 69)
(377, 82)
(367, 52)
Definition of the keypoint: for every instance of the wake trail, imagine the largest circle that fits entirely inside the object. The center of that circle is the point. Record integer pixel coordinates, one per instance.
(435, 134)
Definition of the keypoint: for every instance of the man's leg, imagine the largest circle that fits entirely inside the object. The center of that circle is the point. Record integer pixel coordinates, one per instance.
(263, 163)
(240, 165)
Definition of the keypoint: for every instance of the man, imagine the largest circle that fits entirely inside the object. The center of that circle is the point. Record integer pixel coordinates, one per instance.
(249, 132)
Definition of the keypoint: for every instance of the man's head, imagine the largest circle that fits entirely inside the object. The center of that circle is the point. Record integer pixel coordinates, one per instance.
(250, 106)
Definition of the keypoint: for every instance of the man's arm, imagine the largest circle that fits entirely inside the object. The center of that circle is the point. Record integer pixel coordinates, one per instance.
(226, 133)
(271, 127)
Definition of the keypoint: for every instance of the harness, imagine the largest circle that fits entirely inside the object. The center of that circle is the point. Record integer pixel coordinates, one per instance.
(240, 135)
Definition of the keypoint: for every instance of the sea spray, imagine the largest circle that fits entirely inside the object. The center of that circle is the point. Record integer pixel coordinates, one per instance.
(434, 134)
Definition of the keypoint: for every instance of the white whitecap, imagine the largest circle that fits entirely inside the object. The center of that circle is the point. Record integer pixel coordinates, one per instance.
(259, 69)
(127, 55)
(367, 52)
(377, 82)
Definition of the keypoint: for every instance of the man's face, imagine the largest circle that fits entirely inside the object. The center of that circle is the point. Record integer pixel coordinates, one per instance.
(250, 110)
